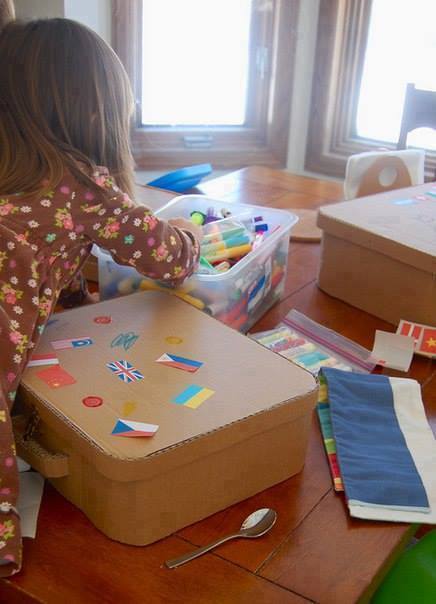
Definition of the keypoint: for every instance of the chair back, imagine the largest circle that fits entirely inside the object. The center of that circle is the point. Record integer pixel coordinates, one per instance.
(419, 111)
(379, 171)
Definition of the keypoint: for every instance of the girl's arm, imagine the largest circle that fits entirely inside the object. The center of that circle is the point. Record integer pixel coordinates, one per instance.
(133, 234)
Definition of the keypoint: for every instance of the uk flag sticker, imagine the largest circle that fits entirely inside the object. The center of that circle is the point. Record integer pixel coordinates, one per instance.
(125, 371)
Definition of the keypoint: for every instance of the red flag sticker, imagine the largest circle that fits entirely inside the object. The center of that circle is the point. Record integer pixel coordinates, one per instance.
(428, 342)
(416, 331)
(404, 328)
(55, 377)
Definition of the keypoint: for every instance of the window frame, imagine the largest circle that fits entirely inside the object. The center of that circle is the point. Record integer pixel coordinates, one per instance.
(264, 139)
(339, 61)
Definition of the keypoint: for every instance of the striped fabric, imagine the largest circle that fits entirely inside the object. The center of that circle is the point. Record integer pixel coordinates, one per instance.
(377, 467)
(323, 410)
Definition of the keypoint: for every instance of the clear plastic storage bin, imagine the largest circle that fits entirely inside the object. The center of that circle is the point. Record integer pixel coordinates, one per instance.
(238, 297)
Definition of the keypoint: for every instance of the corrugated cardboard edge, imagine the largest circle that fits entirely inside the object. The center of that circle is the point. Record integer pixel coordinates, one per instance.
(179, 454)
(374, 241)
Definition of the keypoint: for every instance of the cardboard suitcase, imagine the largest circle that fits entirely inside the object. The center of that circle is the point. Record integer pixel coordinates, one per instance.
(250, 431)
(379, 253)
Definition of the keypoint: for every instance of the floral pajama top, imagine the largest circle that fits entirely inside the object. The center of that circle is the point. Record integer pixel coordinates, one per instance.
(43, 243)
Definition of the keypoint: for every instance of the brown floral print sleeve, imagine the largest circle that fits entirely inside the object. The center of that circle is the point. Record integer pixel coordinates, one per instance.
(134, 235)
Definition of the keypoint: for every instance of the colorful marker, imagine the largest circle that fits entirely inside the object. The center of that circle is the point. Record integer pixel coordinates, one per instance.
(234, 312)
(205, 268)
(277, 276)
(216, 307)
(291, 353)
(211, 248)
(220, 235)
(150, 285)
(190, 300)
(223, 266)
(233, 252)
(239, 322)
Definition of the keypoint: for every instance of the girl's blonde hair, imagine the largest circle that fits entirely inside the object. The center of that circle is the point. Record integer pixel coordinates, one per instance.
(65, 100)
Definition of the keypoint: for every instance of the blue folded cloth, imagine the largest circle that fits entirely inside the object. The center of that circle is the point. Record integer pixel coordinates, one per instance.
(376, 465)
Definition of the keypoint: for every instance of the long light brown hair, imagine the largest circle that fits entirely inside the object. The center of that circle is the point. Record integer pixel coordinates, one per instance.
(65, 100)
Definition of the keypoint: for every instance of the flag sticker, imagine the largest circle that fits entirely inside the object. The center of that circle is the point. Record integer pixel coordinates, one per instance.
(172, 360)
(72, 343)
(125, 371)
(43, 359)
(424, 335)
(404, 328)
(125, 427)
(428, 342)
(56, 377)
(193, 396)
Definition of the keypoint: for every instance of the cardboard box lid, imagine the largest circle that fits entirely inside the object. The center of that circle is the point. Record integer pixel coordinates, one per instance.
(396, 223)
(247, 379)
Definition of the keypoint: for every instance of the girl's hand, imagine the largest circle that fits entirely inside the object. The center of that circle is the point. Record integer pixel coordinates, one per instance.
(91, 298)
(187, 225)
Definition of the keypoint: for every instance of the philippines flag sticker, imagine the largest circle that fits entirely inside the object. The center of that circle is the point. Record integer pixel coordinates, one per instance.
(172, 360)
(72, 343)
(125, 371)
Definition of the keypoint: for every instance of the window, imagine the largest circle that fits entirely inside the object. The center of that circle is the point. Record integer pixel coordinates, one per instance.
(212, 79)
(395, 56)
(207, 62)
(368, 50)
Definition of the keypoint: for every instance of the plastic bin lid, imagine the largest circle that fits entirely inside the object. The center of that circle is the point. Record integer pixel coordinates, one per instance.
(183, 179)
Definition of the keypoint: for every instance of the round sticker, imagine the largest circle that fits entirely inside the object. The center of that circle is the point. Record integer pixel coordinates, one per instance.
(173, 340)
(92, 401)
(104, 319)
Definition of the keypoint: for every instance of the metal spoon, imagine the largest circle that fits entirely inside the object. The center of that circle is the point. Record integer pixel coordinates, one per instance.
(255, 525)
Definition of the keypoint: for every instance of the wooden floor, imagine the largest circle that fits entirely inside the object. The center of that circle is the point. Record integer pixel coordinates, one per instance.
(315, 553)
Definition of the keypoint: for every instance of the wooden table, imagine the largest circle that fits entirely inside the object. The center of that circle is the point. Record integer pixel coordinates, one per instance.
(315, 553)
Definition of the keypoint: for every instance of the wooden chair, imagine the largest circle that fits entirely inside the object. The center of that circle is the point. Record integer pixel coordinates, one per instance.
(419, 111)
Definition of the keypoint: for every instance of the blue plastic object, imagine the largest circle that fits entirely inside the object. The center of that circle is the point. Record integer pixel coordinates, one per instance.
(183, 179)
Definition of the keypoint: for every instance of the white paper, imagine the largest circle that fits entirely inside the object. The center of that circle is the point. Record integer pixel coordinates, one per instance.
(23, 466)
(393, 350)
(29, 500)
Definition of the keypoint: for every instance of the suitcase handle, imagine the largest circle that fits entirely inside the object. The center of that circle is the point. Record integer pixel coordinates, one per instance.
(50, 465)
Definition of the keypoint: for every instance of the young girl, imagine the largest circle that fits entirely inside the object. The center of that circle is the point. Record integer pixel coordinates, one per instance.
(65, 106)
